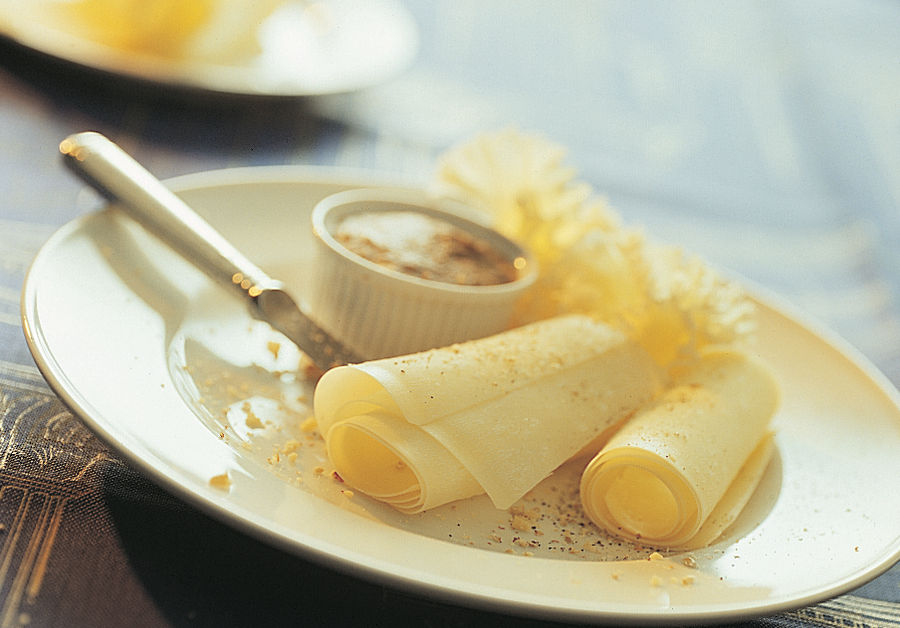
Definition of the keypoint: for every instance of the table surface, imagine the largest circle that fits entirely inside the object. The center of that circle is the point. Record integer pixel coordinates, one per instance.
(702, 121)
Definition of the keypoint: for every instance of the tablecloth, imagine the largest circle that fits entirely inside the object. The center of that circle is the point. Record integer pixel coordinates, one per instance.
(763, 136)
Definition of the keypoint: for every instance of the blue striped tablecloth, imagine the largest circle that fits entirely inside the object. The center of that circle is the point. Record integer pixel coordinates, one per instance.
(764, 136)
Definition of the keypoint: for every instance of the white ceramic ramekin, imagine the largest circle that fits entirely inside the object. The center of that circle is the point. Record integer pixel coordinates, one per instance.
(379, 312)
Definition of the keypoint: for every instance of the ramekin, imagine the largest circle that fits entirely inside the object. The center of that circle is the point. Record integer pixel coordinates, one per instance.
(380, 312)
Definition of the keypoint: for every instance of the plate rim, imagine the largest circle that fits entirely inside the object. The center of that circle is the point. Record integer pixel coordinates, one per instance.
(306, 174)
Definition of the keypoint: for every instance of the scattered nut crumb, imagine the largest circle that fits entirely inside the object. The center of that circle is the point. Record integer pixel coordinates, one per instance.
(253, 421)
(221, 481)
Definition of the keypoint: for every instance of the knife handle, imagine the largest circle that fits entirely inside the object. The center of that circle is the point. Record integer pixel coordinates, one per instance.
(116, 175)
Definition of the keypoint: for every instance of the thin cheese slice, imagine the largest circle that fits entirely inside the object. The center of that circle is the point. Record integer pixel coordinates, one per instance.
(679, 472)
(495, 415)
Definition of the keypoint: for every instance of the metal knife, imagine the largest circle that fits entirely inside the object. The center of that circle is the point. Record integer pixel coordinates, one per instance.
(115, 174)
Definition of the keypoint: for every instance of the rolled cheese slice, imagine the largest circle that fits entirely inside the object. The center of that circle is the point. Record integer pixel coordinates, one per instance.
(495, 415)
(681, 470)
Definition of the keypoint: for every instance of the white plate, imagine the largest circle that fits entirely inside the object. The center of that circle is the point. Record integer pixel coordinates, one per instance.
(336, 46)
(162, 364)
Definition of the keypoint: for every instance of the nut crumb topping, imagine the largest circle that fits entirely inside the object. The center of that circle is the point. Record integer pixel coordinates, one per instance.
(423, 246)
(221, 481)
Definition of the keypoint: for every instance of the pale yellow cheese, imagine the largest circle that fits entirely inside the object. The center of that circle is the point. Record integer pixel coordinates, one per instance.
(219, 31)
(679, 472)
(162, 27)
(495, 415)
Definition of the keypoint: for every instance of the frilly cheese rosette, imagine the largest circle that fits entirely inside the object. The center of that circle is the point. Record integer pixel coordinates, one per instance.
(681, 470)
(672, 303)
(495, 415)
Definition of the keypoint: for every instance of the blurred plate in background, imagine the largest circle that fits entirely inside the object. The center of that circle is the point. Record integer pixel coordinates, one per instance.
(274, 48)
